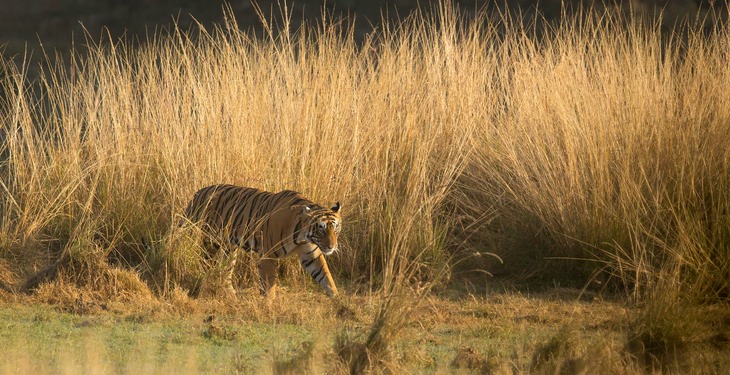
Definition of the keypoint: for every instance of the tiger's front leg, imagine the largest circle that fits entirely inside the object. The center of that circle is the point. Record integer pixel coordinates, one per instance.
(313, 261)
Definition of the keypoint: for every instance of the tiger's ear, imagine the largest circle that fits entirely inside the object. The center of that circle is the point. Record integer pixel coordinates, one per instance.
(336, 207)
(306, 210)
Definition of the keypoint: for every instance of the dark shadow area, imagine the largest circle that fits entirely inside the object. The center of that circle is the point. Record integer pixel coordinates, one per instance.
(59, 23)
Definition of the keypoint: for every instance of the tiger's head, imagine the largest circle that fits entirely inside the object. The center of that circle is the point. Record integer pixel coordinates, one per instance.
(324, 226)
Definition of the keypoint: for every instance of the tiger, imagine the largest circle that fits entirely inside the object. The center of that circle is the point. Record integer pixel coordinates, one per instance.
(274, 225)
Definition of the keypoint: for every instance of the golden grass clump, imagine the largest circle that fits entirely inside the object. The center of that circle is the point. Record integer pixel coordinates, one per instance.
(605, 153)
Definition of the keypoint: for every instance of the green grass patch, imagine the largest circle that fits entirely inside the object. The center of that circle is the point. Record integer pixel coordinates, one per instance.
(505, 333)
(42, 339)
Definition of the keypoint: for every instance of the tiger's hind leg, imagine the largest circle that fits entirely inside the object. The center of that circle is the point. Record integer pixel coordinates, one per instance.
(219, 281)
(228, 267)
(267, 274)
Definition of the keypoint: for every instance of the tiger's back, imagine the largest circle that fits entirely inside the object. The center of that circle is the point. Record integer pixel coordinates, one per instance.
(239, 212)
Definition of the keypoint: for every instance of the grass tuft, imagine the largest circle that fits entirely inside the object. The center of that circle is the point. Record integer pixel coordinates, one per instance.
(662, 335)
(557, 355)
(301, 360)
(471, 359)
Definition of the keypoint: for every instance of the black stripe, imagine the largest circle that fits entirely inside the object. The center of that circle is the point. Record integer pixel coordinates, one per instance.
(205, 196)
(236, 222)
(254, 204)
(309, 252)
(221, 201)
(195, 207)
(308, 263)
(278, 197)
(234, 204)
(241, 206)
(316, 274)
(224, 189)
(321, 278)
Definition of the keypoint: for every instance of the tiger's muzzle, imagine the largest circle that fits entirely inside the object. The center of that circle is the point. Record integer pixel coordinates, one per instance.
(327, 250)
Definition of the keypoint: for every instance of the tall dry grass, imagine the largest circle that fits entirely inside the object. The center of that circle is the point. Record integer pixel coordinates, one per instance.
(611, 146)
(106, 151)
(598, 148)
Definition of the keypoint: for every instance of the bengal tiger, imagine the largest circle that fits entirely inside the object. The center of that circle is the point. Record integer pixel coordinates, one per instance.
(275, 225)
